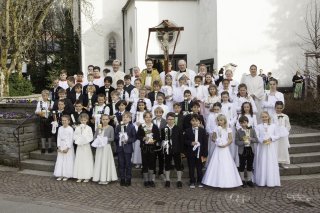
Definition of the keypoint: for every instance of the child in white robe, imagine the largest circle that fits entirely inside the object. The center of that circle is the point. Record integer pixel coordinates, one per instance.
(83, 165)
(242, 97)
(222, 171)
(272, 97)
(266, 167)
(65, 157)
(211, 99)
(104, 169)
(167, 90)
(283, 126)
(99, 109)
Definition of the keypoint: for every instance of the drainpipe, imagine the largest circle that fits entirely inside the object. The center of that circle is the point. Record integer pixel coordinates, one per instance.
(124, 40)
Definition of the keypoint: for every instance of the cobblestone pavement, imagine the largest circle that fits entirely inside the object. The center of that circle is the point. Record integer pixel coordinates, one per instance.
(292, 196)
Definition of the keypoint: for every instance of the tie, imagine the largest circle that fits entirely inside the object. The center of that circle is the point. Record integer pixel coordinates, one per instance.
(125, 128)
(176, 120)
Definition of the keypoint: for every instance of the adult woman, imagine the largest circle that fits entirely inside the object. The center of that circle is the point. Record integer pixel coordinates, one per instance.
(297, 84)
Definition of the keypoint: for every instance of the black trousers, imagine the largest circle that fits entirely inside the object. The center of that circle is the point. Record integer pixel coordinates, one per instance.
(124, 160)
(148, 158)
(176, 158)
(194, 163)
(160, 156)
(246, 159)
(45, 128)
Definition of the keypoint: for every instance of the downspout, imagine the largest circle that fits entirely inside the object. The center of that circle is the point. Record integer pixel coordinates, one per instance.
(124, 41)
(79, 34)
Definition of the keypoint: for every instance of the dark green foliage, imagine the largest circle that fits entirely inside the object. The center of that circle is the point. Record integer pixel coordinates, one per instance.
(19, 86)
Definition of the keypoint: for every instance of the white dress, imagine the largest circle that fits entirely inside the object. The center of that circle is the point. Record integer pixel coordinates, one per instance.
(136, 155)
(270, 100)
(168, 92)
(64, 163)
(222, 171)
(229, 110)
(283, 126)
(104, 168)
(211, 125)
(208, 103)
(83, 164)
(266, 167)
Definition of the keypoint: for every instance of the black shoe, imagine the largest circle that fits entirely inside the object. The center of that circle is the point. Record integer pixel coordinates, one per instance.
(128, 183)
(122, 182)
(244, 184)
(167, 184)
(43, 151)
(146, 184)
(250, 183)
(151, 183)
(50, 150)
(179, 184)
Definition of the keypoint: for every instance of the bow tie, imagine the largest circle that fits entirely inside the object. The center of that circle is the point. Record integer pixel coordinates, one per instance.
(183, 71)
(280, 116)
(149, 72)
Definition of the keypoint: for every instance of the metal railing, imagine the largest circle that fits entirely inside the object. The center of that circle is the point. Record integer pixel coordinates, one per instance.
(16, 133)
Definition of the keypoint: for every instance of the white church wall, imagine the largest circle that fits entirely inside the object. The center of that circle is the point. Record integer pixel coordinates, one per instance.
(207, 30)
(264, 33)
(107, 18)
(182, 13)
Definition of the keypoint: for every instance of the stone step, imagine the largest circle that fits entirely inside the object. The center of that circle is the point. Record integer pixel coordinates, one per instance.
(304, 148)
(37, 155)
(304, 138)
(301, 169)
(40, 165)
(305, 158)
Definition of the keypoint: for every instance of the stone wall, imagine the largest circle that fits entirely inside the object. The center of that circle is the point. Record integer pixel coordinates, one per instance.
(29, 139)
(14, 107)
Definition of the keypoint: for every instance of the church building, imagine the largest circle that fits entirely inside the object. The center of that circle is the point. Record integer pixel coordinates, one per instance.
(215, 32)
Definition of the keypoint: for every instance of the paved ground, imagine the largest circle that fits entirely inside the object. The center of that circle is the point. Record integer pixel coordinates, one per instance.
(30, 193)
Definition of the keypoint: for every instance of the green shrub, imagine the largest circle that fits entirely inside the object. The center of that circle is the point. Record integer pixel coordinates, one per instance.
(19, 86)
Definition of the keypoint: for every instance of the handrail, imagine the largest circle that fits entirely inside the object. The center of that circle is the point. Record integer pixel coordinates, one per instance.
(16, 134)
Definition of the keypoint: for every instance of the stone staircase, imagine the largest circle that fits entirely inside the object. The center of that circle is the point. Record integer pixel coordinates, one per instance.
(304, 156)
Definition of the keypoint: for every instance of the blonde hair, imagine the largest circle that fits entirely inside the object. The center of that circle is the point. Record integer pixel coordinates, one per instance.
(222, 117)
(45, 92)
(266, 113)
(158, 109)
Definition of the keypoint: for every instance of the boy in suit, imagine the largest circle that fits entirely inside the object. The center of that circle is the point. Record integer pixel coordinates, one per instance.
(172, 146)
(187, 103)
(156, 91)
(196, 141)
(160, 123)
(125, 135)
(107, 89)
(245, 139)
(195, 109)
(55, 90)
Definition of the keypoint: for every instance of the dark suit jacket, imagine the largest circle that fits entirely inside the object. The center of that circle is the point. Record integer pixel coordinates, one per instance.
(68, 109)
(76, 116)
(202, 138)
(94, 99)
(71, 94)
(187, 121)
(131, 131)
(176, 139)
(183, 106)
(141, 134)
(239, 139)
(54, 93)
(128, 88)
(84, 89)
(102, 90)
(151, 96)
(163, 124)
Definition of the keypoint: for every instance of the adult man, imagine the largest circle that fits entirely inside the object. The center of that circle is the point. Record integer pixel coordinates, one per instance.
(263, 76)
(149, 75)
(170, 72)
(190, 74)
(255, 87)
(98, 80)
(116, 74)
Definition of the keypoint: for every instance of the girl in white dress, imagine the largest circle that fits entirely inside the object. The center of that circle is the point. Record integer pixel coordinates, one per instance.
(283, 126)
(272, 97)
(167, 89)
(242, 97)
(230, 112)
(210, 127)
(247, 110)
(138, 120)
(99, 109)
(222, 171)
(83, 165)
(210, 99)
(104, 169)
(266, 167)
(199, 92)
(65, 158)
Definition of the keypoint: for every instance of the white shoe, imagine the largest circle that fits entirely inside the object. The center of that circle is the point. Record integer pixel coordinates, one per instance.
(137, 166)
(60, 178)
(79, 181)
(200, 186)
(65, 179)
(86, 181)
(103, 182)
(192, 186)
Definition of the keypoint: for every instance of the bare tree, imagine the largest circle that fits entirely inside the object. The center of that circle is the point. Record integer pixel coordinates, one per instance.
(311, 45)
(20, 24)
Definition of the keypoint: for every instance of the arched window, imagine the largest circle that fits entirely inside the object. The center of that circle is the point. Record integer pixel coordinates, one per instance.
(112, 48)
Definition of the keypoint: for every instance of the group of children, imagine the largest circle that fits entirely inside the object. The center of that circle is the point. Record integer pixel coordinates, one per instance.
(213, 128)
